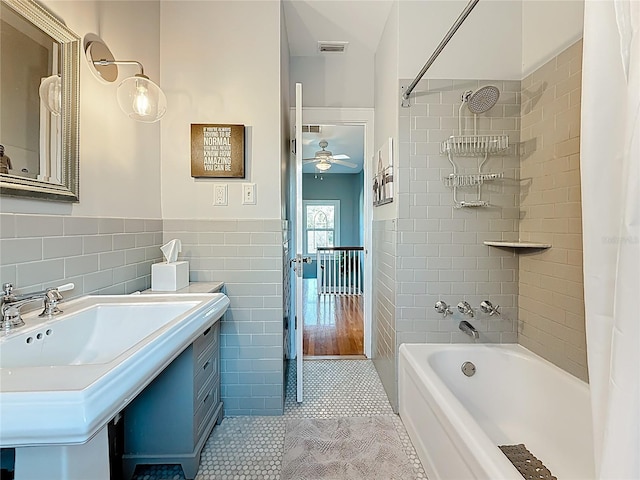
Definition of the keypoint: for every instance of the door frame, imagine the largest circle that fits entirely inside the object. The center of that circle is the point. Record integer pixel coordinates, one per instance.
(365, 118)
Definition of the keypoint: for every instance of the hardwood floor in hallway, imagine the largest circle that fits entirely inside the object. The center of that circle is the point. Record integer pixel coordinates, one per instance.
(333, 324)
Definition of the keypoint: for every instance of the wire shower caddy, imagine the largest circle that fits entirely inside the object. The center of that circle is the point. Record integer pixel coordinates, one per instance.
(478, 146)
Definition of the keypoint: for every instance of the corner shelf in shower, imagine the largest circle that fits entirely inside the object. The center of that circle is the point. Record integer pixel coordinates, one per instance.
(519, 245)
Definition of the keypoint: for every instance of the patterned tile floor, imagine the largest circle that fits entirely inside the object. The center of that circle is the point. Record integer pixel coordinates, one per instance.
(251, 448)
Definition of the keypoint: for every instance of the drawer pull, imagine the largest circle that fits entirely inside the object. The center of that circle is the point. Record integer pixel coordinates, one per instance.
(206, 398)
(206, 332)
(206, 365)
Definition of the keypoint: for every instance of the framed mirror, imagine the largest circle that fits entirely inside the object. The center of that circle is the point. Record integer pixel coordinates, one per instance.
(39, 103)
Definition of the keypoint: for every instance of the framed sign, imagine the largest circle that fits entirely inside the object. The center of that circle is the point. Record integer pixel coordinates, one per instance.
(217, 150)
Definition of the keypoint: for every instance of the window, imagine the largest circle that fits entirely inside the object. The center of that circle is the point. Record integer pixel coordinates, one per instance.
(321, 224)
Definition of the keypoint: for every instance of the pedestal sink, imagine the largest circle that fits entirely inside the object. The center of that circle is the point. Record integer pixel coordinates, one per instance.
(63, 379)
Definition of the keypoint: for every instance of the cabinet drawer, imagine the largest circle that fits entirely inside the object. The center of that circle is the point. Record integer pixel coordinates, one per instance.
(208, 337)
(207, 371)
(203, 414)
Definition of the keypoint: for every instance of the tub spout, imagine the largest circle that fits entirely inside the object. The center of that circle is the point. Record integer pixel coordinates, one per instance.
(469, 329)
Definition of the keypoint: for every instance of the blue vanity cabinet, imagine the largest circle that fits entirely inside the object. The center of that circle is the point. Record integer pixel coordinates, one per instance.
(170, 421)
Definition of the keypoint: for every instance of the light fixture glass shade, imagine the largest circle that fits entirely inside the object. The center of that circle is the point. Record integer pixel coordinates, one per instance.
(323, 166)
(51, 94)
(141, 99)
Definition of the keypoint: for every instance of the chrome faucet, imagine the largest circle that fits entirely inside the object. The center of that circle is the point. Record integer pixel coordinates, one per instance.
(487, 307)
(469, 329)
(11, 303)
(442, 307)
(465, 308)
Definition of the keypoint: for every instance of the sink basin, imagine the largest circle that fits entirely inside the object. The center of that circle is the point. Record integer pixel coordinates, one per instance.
(95, 335)
(63, 379)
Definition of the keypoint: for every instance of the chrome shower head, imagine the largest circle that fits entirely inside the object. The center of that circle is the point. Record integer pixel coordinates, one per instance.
(483, 99)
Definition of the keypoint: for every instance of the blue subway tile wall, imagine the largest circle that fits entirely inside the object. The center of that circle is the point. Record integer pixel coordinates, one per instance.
(247, 256)
(99, 255)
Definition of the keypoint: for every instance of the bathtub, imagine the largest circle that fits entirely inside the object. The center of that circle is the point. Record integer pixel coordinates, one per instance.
(515, 397)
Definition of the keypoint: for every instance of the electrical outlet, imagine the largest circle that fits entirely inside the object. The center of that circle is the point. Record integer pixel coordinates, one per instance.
(220, 194)
(248, 193)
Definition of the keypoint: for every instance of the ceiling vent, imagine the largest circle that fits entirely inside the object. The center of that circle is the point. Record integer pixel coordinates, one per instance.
(332, 47)
(311, 129)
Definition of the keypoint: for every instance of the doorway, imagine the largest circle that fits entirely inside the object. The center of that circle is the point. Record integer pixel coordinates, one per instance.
(339, 117)
(333, 188)
(336, 117)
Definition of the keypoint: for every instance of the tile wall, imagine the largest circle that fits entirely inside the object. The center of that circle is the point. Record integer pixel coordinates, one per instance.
(440, 248)
(384, 304)
(551, 305)
(247, 256)
(99, 255)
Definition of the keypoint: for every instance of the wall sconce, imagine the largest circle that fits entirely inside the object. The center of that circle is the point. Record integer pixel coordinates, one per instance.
(50, 92)
(138, 97)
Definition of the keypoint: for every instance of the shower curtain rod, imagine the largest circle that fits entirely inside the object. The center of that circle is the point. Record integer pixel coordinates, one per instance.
(463, 16)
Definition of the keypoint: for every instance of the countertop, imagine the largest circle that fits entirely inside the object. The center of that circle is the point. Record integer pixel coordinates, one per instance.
(195, 287)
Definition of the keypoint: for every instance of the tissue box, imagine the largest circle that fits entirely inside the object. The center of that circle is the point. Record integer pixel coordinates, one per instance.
(169, 277)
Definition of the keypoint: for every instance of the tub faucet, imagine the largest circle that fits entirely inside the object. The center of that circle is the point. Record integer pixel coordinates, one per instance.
(10, 304)
(469, 329)
(465, 308)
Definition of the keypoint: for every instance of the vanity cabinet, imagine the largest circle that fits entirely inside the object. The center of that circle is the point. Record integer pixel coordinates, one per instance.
(170, 421)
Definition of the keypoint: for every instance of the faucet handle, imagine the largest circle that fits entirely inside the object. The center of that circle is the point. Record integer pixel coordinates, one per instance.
(7, 288)
(65, 287)
(487, 307)
(51, 299)
(443, 308)
(465, 308)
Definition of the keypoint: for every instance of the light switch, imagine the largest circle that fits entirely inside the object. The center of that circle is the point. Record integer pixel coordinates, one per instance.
(220, 194)
(248, 193)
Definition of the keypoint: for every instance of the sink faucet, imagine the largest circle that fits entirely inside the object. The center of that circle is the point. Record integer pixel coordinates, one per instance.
(469, 329)
(11, 303)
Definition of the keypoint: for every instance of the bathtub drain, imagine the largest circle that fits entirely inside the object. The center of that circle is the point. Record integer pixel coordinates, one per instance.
(526, 463)
(469, 369)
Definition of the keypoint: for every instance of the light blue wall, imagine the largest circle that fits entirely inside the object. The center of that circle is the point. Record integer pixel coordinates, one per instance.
(348, 188)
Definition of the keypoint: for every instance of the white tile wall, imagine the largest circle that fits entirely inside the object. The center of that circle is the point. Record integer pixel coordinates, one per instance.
(444, 257)
(385, 299)
(551, 305)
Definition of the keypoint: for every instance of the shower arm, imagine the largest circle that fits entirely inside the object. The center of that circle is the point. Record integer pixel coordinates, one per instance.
(463, 16)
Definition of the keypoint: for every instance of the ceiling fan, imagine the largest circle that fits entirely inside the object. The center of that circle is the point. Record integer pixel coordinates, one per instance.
(325, 158)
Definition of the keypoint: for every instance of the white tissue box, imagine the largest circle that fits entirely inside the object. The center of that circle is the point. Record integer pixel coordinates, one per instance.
(169, 277)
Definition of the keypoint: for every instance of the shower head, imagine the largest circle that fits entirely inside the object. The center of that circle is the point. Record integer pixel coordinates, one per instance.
(482, 99)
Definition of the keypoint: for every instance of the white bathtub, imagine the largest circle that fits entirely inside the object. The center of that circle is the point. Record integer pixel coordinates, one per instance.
(457, 422)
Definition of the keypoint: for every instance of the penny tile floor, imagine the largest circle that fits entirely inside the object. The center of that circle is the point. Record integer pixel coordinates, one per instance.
(251, 448)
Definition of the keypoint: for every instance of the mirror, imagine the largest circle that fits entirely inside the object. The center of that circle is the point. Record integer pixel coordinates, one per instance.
(39, 102)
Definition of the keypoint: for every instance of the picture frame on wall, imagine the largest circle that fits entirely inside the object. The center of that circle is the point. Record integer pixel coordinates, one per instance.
(217, 150)
(383, 176)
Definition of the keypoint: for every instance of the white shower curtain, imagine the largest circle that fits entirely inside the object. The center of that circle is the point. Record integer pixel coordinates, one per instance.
(610, 159)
